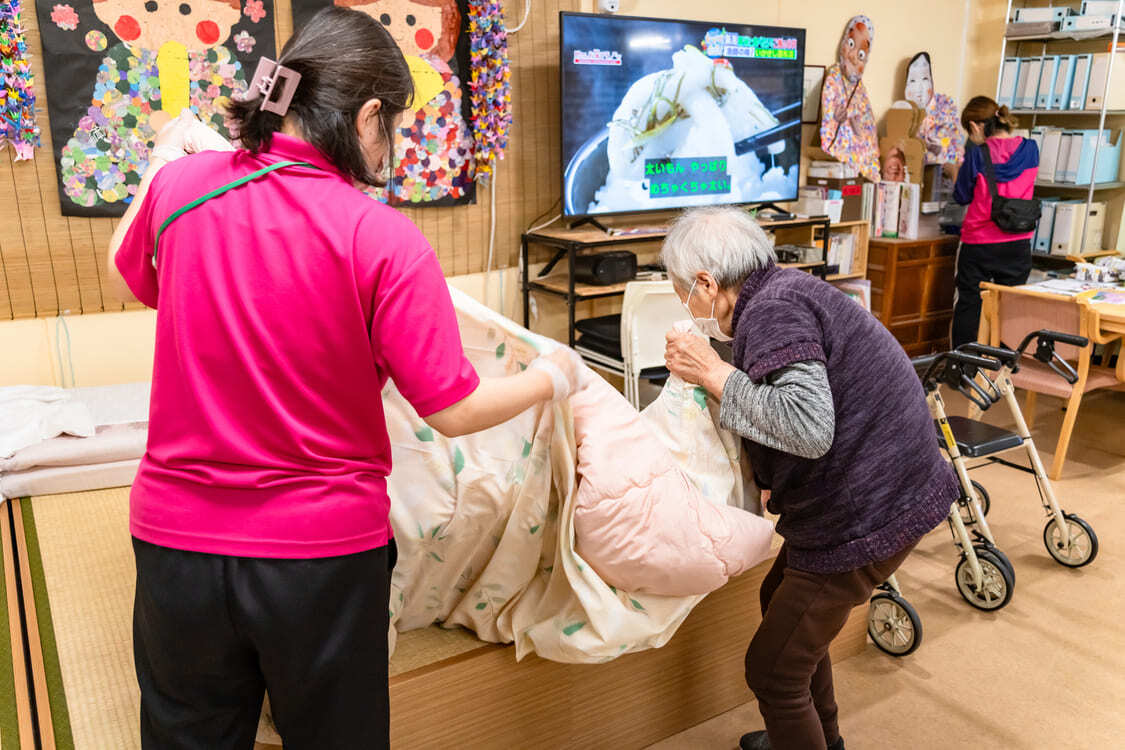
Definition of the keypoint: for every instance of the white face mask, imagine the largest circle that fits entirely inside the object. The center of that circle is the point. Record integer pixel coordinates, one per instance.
(707, 326)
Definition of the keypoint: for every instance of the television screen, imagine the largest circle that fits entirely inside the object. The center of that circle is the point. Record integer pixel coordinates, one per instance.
(663, 114)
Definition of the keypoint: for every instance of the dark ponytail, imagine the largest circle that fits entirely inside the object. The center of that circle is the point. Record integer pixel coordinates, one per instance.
(993, 117)
(345, 58)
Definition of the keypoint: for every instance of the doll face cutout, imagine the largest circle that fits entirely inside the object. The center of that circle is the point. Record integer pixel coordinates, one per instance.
(919, 83)
(196, 24)
(416, 28)
(854, 49)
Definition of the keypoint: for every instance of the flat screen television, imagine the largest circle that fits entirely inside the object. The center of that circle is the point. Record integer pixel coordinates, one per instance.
(665, 114)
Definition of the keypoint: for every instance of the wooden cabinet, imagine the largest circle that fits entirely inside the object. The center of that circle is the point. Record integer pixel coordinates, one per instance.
(912, 288)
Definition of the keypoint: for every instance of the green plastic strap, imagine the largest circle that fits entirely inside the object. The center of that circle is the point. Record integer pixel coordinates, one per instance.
(219, 191)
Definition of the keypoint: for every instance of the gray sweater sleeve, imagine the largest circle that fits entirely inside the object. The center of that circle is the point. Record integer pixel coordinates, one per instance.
(791, 412)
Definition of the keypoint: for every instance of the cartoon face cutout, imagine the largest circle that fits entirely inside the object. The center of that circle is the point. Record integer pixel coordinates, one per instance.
(854, 50)
(919, 82)
(422, 28)
(197, 24)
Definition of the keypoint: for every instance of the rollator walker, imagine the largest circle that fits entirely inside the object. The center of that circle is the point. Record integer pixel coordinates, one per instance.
(984, 576)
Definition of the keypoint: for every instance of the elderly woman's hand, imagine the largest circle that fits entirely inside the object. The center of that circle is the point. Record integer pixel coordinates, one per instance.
(692, 359)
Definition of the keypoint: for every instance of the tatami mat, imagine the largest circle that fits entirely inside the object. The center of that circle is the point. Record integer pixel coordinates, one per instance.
(83, 544)
(87, 565)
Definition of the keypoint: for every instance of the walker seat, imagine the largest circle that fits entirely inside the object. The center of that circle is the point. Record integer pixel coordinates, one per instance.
(976, 439)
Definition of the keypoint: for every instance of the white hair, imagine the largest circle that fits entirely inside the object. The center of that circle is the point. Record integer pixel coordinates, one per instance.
(723, 241)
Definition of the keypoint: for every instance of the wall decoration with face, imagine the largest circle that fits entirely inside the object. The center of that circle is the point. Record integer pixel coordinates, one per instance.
(433, 155)
(847, 122)
(168, 55)
(855, 47)
(939, 131)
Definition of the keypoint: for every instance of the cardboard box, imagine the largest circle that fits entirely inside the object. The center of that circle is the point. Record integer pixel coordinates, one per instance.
(850, 190)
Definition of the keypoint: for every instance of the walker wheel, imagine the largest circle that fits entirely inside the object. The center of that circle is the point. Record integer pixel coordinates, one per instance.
(893, 625)
(966, 508)
(994, 591)
(995, 551)
(1074, 547)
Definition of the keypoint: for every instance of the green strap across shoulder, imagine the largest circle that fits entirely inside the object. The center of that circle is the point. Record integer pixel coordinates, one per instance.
(219, 191)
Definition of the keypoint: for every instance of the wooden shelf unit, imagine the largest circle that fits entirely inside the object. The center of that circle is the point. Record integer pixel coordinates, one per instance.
(569, 243)
(912, 284)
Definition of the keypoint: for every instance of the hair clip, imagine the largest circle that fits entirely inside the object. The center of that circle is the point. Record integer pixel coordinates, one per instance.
(266, 77)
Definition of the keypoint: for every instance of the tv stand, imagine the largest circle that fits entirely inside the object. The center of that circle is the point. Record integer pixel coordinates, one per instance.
(589, 220)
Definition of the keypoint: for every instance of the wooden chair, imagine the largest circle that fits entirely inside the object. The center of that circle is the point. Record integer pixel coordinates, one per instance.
(1010, 313)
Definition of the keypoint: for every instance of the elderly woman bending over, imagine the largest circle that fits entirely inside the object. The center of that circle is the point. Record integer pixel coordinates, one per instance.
(835, 424)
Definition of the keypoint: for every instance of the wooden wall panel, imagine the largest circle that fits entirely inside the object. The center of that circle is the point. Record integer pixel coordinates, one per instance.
(50, 263)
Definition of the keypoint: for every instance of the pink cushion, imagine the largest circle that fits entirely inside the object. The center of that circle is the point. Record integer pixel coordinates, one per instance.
(638, 520)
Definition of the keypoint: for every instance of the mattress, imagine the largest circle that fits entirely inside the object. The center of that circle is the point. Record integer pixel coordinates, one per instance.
(108, 458)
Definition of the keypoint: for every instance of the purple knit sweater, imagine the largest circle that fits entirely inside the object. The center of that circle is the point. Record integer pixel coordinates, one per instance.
(884, 483)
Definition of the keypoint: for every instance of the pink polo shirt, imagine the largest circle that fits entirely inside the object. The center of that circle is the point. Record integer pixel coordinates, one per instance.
(282, 308)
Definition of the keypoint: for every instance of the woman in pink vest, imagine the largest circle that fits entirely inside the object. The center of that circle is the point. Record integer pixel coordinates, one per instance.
(988, 253)
(285, 299)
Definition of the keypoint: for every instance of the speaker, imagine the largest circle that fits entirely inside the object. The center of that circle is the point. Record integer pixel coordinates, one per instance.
(604, 269)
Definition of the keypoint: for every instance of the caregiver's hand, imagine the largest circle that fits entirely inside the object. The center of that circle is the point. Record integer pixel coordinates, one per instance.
(496, 400)
(691, 358)
(564, 366)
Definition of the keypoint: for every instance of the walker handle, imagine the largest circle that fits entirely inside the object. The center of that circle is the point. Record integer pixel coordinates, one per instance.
(1045, 352)
(1064, 338)
(1006, 356)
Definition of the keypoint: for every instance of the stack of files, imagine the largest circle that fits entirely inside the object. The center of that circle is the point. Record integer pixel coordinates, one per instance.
(1074, 159)
(1041, 15)
(1064, 80)
(826, 168)
(1099, 73)
(1049, 149)
(1028, 85)
(1061, 82)
(1009, 79)
(1098, 8)
(1066, 235)
(1080, 85)
(1041, 242)
(1088, 23)
(1044, 98)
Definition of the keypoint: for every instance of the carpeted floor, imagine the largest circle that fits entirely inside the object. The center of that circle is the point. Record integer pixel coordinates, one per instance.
(1046, 671)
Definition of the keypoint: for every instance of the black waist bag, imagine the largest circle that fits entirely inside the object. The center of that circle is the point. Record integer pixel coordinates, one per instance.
(1014, 215)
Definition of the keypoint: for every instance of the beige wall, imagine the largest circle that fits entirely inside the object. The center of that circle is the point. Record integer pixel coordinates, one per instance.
(902, 28)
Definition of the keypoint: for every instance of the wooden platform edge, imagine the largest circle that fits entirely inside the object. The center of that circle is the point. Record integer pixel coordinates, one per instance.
(485, 699)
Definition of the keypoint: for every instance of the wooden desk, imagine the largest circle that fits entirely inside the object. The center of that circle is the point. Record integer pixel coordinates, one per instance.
(1111, 317)
(912, 287)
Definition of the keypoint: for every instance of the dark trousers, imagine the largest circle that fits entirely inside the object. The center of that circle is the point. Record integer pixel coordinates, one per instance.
(212, 633)
(787, 664)
(1006, 263)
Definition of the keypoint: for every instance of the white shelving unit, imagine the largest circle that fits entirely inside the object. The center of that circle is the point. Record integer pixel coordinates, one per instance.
(1073, 37)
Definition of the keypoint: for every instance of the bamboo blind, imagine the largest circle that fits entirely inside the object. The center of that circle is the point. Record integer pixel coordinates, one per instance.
(52, 264)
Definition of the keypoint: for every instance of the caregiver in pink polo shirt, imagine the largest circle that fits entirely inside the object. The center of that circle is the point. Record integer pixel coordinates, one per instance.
(260, 511)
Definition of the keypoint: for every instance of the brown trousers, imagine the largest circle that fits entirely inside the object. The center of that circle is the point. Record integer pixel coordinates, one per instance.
(787, 664)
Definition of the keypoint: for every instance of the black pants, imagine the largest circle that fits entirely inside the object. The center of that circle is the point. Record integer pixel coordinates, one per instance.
(1006, 263)
(212, 633)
